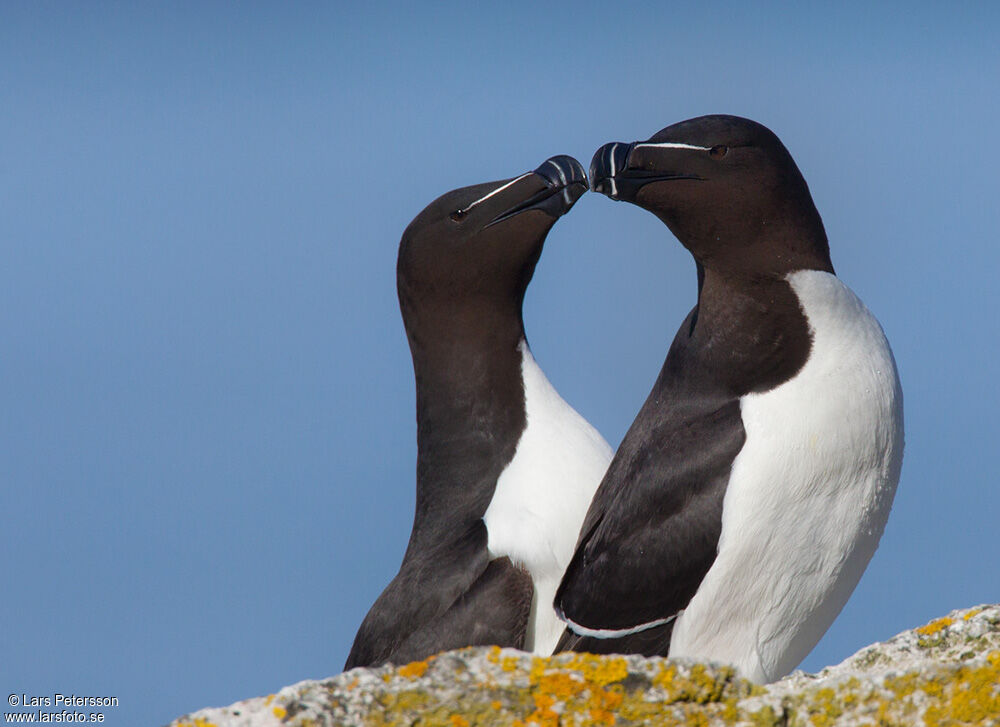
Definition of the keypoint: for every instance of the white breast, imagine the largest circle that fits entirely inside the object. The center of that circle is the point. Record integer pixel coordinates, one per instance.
(808, 495)
(542, 496)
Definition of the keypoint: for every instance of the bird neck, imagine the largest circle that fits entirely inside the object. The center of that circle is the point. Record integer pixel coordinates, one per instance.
(746, 334)
(470, 414)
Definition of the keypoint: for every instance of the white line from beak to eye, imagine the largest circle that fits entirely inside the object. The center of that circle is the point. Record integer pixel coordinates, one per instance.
(497, 190)
(672, 145)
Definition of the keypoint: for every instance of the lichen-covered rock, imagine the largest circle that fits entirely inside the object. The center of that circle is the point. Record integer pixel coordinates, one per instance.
(944, 673)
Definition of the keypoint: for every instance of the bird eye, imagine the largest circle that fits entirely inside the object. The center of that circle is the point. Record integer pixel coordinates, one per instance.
(717, 152)
(458, 215)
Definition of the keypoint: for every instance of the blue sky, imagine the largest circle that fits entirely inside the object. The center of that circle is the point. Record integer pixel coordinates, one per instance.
(206, 402)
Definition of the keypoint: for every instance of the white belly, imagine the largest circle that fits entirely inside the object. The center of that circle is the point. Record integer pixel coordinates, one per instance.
(543, 495)
(808, 495)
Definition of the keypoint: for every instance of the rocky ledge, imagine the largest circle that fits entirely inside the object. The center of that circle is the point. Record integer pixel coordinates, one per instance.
(944, 673)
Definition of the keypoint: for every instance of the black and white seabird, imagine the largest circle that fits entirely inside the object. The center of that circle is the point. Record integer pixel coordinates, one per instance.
(505, 468)
(751, 491)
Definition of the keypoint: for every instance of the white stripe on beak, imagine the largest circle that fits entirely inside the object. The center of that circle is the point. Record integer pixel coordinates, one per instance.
(611, 157)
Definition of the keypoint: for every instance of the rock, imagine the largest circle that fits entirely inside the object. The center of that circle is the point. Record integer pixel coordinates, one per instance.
(944, 673)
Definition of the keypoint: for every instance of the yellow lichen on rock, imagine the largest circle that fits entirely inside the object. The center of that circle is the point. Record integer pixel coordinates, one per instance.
(825, 708)
(413, 670)
(665, 676)
(943, 674)
(509, 663)
(603, 704)
(935, 626)
(581, 687)
(597, 669)
(971, 698)
(198, 722)
(972, 612)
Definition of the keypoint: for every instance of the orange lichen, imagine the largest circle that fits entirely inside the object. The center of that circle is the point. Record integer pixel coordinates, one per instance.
(413, 670)
(544, 715)
(935, 626)
(560, 685)
(584, 690)
(603, 703)
(583, 685)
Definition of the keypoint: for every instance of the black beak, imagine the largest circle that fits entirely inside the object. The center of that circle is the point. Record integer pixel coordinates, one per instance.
(563, 171)
(565, 182)
(611, 175)
(609, 161)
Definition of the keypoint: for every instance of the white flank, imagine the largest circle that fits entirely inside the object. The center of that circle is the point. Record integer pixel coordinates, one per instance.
(808, 496)
(542, 496)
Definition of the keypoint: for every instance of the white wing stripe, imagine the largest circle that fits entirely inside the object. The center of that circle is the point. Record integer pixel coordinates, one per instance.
(614, 633)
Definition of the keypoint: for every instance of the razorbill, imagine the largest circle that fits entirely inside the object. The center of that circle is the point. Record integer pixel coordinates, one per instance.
(752, 489)
(505, 468)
